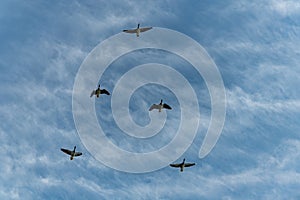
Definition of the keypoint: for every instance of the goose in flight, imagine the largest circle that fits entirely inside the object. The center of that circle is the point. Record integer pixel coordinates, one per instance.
(182, 165)
(71, 153)
(98, 91)
(160, 106)
(138, 30)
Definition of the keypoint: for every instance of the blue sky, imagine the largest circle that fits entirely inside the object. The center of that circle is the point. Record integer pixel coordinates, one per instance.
(255, 46)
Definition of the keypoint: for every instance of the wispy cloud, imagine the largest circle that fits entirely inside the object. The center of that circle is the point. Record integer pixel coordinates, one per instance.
(241, 101)
(286, 8)
(256, 48)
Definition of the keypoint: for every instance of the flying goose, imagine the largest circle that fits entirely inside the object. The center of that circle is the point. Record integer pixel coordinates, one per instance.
(160, 106)
(71, 153)
(98, 91)
(182, 165)
(138, 30)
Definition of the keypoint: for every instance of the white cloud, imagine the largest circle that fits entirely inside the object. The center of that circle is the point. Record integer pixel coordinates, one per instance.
(10, 194)
(285, 7)
(239, 100)
(92, 186)
(36, 114)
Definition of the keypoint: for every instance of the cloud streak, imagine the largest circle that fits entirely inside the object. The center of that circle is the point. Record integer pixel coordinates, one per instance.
(256, 47)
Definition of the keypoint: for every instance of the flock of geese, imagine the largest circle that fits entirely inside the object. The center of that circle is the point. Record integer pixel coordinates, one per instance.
(97, 92)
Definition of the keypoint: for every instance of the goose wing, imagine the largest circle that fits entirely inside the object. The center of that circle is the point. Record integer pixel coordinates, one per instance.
(189, 164)
(166, 106)
(130, 31)
(145, 29)
(154, 106)
(104, 91)
(174, 165)
(93, 93)
(77, 154)
(66, 151)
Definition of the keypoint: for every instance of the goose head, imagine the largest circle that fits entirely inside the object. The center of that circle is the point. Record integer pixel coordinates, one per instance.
(183, 160)
(138, 26)
(74, 148)
(161, 102)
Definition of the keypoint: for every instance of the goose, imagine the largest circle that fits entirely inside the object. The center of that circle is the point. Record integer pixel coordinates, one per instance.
(138, 30)
(71, 153)
(98, 91)
(182, 165)
(160, 106)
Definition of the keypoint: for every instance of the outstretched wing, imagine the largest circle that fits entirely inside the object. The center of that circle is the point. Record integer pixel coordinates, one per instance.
(77, 154)
(145, 29)
(154, 106)
(130, 31)
(104, 91)
(93, 92)
(189, 164)
(175, 165)
(66, 151)
(166, 106)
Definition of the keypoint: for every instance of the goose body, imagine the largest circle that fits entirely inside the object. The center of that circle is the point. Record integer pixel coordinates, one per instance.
(182, 165)
(138, 30)
(71, 153)
(160, 106)
(99, 91)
